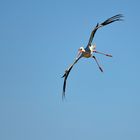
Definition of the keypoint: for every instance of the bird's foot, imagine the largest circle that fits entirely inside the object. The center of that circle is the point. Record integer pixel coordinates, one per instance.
(109, 55)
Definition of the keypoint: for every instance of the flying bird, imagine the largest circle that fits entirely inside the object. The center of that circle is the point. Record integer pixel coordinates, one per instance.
(88, 51)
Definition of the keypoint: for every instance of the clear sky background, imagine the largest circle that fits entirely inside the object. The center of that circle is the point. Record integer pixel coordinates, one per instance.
(39, 39)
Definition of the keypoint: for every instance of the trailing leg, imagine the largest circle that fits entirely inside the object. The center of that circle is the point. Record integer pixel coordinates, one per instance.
(97, 63)
(109, 55)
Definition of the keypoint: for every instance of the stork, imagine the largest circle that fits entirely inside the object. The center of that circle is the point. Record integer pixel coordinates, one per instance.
(88, 51)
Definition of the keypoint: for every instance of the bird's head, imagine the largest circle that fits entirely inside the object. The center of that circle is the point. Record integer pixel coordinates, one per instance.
(81, 49)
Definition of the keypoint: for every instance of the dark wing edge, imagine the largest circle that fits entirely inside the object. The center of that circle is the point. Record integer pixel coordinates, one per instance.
(66, 74)
(117, 17)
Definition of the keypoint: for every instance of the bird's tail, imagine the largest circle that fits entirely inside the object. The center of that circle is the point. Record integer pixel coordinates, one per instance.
(92, 48)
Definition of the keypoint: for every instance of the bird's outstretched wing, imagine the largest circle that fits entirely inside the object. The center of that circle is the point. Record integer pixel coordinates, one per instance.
(108, 21)
(66, 74)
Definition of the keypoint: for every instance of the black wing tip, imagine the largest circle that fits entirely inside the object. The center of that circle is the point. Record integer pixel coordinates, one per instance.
(117, 17)
(64, 85)
(63, 96)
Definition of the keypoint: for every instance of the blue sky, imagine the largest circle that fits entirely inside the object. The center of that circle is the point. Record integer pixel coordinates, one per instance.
(38, 41)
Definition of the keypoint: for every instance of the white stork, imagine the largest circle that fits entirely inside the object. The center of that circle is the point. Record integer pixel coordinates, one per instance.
(90, 49)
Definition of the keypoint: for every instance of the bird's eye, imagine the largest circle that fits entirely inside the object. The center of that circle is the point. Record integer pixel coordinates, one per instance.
(80, 49)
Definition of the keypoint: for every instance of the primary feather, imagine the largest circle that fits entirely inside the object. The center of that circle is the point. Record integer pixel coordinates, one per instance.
(106, 22)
